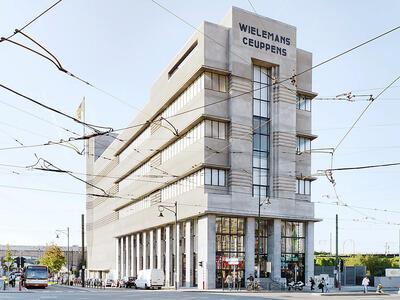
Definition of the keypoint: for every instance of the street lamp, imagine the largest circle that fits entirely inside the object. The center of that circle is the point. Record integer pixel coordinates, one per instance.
(175, 212)
(66, 232)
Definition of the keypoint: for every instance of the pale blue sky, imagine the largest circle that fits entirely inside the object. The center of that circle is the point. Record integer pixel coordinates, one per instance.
(122, 46)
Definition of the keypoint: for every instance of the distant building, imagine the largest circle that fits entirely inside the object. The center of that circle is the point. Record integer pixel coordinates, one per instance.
(32, 253)
(218, 137)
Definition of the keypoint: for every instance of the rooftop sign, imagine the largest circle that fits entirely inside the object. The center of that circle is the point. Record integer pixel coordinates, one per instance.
(263, 39)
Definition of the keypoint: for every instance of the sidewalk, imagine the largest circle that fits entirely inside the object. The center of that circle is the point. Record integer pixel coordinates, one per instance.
(15, 289)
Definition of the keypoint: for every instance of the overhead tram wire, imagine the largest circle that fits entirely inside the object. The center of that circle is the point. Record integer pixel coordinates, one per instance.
(55, 61)
(367, 217)
(304, 71)
(91, 126)
(33, 20)
(274, 80)
(364, 110)
(363, 167)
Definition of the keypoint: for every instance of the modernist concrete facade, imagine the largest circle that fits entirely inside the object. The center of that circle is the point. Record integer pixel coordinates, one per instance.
(220, 135)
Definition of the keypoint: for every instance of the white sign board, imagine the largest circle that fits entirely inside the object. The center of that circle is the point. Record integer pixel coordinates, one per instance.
(392, 272)
(234, 261)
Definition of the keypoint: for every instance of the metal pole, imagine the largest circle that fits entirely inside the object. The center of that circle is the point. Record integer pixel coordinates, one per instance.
(68, 255)
(258, 236)
(176, 246)
(399, 250)
(83, 250)
(337, 250)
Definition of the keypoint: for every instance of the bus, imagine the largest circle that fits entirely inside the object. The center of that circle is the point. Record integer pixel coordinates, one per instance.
(35, 276)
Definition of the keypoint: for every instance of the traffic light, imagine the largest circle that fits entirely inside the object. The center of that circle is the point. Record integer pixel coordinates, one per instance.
(200, 264)
(19, 261)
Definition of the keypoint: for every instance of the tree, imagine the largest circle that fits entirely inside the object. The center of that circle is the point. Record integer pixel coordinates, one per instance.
(53, 258)
(8, 259)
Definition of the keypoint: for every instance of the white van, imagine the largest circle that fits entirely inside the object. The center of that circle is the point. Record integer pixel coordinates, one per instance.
(150, 278)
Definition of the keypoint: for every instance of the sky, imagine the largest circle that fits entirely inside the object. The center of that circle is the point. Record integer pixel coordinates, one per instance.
(122, 46)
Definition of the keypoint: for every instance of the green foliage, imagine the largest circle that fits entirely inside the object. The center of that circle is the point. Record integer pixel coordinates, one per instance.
(395, 262)
(375, 264)
(53, 258)
(8, 258)
(324, 260)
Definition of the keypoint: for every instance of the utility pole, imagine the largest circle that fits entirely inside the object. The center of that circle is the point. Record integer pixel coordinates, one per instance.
(83, 250)
(399, 249)
(337, 252)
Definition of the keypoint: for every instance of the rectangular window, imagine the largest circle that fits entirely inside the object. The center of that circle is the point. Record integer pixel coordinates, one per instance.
(303, 103)
(261, 130)
(215, 129)
(303, 144)
(303, 187)
(292, 250)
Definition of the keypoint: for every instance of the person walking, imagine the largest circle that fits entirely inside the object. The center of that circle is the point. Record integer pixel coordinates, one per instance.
(312, 282)
(321, 285)
(365, 284)
(238, 282)
(229, 281)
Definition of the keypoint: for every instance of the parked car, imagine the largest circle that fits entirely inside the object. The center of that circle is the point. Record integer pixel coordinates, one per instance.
(130, 282)
(109, 283)
(150, 279)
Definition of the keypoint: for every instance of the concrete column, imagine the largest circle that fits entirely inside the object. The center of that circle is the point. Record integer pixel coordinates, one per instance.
(178, 254)
(167, 256)
(144, 245)
(122, 258)
(206, 252)
(138, 253)
(309, 250)
(133, 256)
(127, 254)
(274, 247)
(159, 250)
(249, 248)
(151, 246)
(117, 260)
(189, 254)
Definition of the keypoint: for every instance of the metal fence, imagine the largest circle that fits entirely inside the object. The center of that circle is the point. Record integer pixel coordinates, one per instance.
(351, 275)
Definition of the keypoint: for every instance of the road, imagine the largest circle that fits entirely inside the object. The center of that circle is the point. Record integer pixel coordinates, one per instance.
(66, 293)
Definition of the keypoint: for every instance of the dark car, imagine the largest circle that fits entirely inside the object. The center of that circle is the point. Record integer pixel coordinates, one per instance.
(130, 283)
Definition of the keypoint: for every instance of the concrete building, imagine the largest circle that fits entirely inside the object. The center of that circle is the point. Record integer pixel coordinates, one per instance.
(219, 137)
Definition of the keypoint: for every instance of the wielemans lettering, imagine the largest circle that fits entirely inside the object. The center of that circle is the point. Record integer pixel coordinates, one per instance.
(264, 34)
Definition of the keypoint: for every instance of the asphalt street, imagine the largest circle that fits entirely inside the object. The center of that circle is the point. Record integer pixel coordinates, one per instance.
(65, 293)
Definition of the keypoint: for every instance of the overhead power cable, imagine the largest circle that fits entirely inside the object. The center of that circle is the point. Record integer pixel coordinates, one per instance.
(45, 165)
(364, 110)
(359, 207)
(91, 126)
(39, 118)
(292, 78)
(361, 167)
(31, 21)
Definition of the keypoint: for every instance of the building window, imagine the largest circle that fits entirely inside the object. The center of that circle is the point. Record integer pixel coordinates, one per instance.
(293, 252)
(214, 177)
(215, 82)
(263, 248)
(229, 243)
(303, 102)
(303, 144)
(215, 129)
(303, 187)
(261, 130)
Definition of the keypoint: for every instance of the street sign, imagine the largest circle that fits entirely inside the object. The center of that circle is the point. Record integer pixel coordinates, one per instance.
(233, 261)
